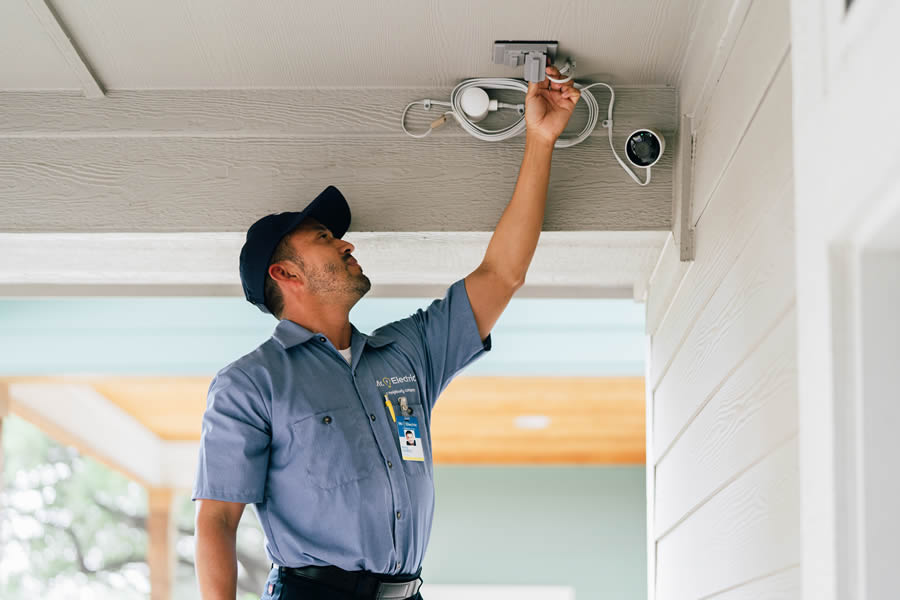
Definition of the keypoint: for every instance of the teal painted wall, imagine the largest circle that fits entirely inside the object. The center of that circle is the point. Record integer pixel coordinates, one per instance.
(579, 526)
(199, 336)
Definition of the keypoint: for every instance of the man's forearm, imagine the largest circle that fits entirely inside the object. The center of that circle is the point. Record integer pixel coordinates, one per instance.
(216, 562)
(516, 235)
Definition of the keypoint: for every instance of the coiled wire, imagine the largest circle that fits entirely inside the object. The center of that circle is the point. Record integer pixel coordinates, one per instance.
(518, 127)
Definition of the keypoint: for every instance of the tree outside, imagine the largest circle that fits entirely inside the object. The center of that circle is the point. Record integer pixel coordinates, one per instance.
(72, 528)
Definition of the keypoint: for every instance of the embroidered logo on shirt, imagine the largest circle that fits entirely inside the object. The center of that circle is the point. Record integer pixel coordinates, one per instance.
(389, 382)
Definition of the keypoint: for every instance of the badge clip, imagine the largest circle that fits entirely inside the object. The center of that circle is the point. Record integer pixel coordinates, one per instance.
(404, 407)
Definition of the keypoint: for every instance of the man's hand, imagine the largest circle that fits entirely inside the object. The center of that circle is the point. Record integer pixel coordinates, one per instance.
(549, 105)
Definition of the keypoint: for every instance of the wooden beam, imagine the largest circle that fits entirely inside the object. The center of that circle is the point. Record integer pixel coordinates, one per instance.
(161, 536)
(214, 160)
(294, 113)
(66, 46)
(4, 400)
(179, 184)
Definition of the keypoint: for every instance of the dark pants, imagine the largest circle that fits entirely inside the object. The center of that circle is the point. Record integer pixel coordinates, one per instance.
(287, 586)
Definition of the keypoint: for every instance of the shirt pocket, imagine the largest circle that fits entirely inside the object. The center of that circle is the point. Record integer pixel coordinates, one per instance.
(334, 446)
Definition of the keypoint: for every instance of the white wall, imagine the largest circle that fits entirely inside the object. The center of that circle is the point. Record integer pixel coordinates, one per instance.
(721, 381)
(847, 208)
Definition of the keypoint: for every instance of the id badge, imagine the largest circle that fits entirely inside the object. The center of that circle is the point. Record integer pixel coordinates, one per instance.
(410, 440)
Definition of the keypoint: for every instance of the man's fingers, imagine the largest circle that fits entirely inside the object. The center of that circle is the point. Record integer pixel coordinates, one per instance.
(554, 73)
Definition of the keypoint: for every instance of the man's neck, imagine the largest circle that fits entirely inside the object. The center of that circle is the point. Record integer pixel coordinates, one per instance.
(332, 321)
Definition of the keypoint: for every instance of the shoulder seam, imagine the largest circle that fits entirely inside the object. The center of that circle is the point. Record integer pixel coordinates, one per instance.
(258, 391)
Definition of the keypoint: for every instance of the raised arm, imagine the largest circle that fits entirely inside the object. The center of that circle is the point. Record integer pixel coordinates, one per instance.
(548, 107)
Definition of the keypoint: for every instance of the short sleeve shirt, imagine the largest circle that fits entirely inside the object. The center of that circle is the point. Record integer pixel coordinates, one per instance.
(309, 440)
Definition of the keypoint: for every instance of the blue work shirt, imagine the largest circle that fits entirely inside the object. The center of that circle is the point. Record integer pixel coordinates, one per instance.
(308, 439)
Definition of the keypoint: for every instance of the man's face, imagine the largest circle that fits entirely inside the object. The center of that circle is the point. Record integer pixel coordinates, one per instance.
(329, 267)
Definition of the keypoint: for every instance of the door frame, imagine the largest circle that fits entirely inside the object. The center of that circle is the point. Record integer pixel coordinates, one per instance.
(847, 203)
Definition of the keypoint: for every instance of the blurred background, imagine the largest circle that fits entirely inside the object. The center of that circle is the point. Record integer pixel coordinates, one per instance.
(546, 499)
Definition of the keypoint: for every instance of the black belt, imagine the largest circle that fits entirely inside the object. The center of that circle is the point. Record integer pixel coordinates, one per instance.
(360, 582)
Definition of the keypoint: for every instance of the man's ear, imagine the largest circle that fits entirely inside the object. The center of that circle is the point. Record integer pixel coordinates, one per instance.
(286, 272)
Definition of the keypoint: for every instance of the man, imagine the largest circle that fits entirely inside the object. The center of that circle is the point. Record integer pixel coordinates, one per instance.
(410, 438)
(307, 426)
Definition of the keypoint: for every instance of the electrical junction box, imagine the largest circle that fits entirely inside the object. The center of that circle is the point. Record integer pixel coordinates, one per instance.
(533, 55)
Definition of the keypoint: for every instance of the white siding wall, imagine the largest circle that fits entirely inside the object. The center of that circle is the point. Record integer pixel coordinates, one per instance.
(722, 370)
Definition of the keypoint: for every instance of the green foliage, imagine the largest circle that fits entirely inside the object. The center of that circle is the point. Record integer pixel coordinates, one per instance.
(52, 514)
(71, 523)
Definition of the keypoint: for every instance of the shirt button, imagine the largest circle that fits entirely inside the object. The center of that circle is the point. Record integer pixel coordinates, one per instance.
(398, 514)
(326, 420)
(390, 465)
(372, 417)
(321, 338)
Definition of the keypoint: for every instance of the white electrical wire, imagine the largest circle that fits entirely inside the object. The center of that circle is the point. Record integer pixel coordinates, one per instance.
(517, 128)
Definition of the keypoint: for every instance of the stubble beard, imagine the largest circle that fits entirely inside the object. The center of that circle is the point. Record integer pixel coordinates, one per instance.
(336, 283)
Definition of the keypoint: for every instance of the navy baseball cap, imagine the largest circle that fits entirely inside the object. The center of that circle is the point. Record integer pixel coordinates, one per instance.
(329, 208)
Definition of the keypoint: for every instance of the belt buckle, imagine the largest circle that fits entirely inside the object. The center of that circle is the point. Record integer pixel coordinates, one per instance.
(397, 590)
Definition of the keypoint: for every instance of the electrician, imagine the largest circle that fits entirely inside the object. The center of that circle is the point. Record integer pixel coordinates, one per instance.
(312, 426)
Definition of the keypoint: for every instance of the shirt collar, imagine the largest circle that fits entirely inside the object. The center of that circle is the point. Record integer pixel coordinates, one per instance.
(290, 334)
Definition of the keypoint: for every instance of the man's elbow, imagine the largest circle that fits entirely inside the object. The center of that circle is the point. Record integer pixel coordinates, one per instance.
(509, 280)
(216, 518)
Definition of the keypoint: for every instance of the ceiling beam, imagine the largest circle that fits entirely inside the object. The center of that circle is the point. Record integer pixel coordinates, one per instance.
(566, 264)
(215, 160)
(291, 113)
(54, 28)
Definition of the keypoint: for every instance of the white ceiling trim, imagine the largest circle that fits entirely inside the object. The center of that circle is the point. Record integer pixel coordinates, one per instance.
(565, 264)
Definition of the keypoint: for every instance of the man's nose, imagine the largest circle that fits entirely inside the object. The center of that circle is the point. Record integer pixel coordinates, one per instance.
(348, 248)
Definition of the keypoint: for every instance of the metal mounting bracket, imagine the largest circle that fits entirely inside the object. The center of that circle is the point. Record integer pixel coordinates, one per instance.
(534, 55)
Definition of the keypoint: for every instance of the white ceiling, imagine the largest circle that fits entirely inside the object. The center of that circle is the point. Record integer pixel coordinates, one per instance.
(327, 43)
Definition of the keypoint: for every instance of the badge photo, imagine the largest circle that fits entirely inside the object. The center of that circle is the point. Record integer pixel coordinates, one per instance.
(410, 440)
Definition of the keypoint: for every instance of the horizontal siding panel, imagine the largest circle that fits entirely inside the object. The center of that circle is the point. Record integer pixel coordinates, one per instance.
(755, 179)
(760, 48)
(220, 184)
(711, 41)
(755, 411)
(291, 113)
(757, 290)
(749, 529)
(783, 585)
